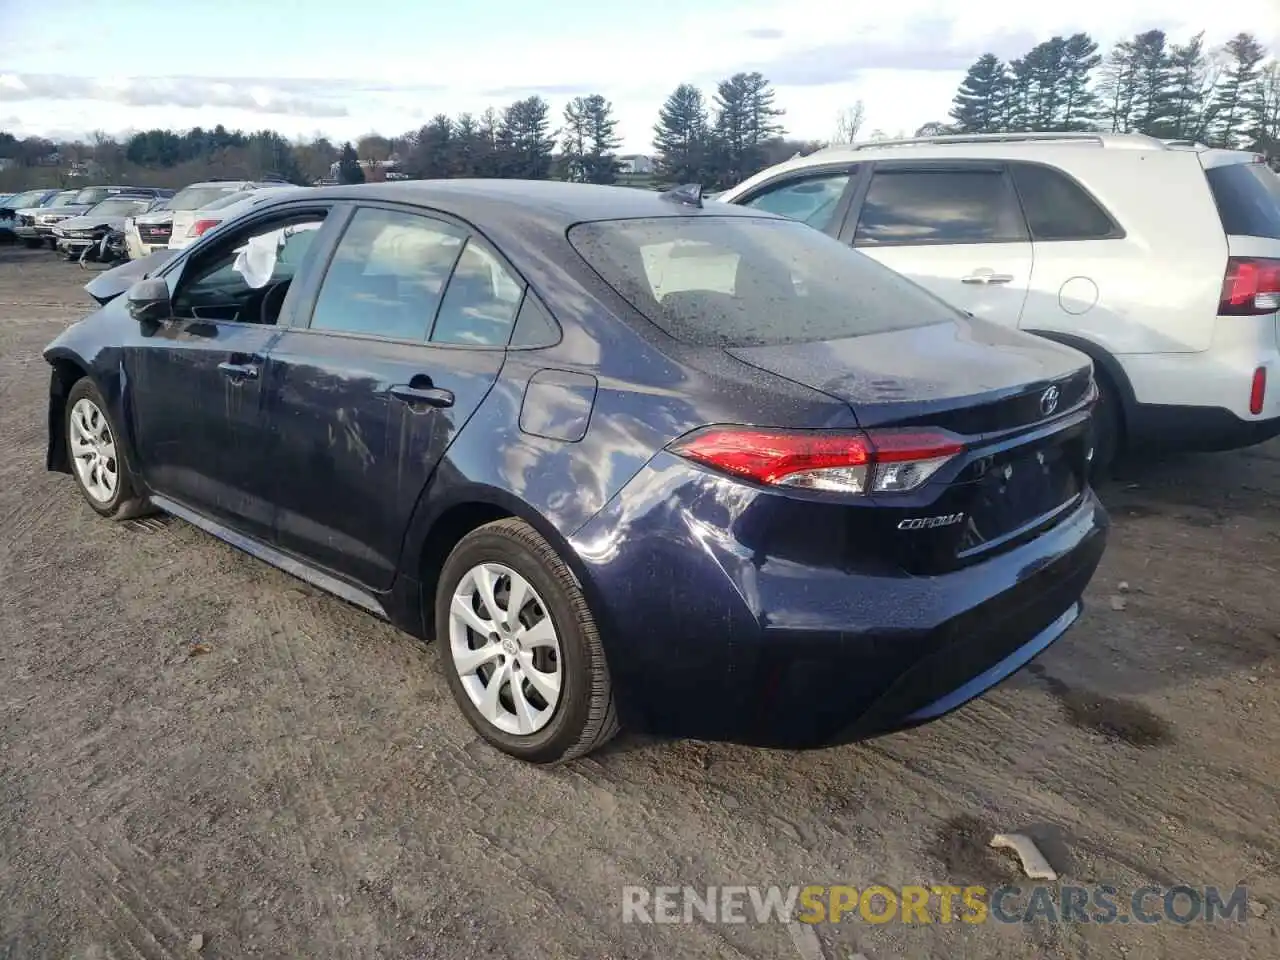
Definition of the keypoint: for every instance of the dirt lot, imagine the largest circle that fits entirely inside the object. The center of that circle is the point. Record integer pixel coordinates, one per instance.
(306, 788)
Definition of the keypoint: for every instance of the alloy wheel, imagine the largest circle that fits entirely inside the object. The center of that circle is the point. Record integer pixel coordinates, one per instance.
(93, 451)
(505, 649)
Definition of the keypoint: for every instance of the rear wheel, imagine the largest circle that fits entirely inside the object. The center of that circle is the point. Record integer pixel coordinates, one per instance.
(520, 648)
(1108, 429)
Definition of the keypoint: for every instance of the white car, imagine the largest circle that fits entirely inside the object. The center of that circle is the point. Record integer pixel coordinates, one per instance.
(148, 232)
(199, 222)
(1161, 261)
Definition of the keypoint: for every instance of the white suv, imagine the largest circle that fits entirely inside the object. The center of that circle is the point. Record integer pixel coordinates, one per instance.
(1159, 260)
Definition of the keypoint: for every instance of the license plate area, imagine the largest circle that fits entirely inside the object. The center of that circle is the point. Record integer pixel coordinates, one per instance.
(1020, 487)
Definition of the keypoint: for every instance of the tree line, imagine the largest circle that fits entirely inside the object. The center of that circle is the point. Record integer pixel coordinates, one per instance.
(716, 142)
(1227, 97)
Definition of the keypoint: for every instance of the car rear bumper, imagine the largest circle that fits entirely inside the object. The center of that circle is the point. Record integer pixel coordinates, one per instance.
(713, 639)
(1156, 426)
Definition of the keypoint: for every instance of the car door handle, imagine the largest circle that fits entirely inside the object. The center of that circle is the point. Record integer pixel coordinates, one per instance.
(238, 372)
(427, 396)
(987, 277)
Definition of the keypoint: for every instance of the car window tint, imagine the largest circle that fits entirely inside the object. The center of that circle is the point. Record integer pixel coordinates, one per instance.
(750, 281)
(534, 326)
(387, 275)
(812, 200)
(943, 206)
(246, 276)
(1248, 199)
(1057, 207)
(481, 301)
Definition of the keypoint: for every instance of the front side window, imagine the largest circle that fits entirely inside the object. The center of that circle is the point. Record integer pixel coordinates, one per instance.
(939, 206)
(813, 200)
(388, 275)
(245, 277)
(748, 281)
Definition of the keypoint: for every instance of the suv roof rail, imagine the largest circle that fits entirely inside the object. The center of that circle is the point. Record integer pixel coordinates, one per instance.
(1131, 141)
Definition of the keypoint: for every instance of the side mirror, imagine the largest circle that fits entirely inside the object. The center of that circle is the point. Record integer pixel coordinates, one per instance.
(148, 300)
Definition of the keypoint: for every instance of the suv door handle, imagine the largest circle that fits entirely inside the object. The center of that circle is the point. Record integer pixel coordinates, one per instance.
(986, 276)
(425, 395)
(239, 372)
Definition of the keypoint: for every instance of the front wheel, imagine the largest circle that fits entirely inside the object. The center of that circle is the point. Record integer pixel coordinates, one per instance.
(96, 458)
(520, 648)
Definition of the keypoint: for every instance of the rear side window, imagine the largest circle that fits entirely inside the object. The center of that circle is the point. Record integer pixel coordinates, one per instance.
(939, 206)
(1057, 207)
(1248, 199)
(743, 281)
(812, 200)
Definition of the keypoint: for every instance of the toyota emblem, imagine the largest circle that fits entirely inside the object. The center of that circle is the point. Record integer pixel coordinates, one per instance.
(1049, 401)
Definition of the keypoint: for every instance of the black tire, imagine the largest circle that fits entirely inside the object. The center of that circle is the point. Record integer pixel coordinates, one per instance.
(126, 503)
(1108, 429)
(584, 717)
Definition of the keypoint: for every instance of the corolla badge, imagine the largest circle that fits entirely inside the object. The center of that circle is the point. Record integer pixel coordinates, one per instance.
(928, 523)
(1049, 401)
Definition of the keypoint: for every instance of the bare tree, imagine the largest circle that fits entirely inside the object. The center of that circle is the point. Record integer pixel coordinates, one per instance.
(849, 121)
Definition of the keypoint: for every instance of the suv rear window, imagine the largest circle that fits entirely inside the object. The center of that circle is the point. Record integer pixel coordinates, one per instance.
(1248, 199)
(743, 281)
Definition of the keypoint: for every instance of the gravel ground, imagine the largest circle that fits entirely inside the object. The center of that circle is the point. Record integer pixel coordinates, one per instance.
(305, 788)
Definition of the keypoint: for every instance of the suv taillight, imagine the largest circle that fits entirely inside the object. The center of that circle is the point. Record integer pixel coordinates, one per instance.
(1251, 287)
(873, 461)
(200, 227)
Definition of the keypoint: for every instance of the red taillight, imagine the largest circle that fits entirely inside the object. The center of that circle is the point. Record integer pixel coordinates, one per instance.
(1258, 391)
(1250, 287)
(877, 461)
(200, 226)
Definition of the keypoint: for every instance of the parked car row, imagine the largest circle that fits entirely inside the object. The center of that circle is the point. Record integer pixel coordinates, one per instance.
(150, 218)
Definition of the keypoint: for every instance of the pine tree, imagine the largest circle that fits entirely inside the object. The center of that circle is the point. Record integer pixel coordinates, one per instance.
(680, 136)
(1079, 103)
(524, 137)
(349, 169)
(590, 140)
(745, 120)
(1239, 93)
(1019, 105)
(980, 104)
(1190, 85)
(1267, 125)
(1153, 85)
(433, 153)
(1118, 88)
(1045, 66)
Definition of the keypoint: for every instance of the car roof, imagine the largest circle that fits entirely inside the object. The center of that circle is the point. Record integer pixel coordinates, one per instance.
(548, 201)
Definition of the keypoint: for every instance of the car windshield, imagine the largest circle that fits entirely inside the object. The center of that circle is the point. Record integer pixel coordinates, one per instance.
(743, 281)
(31, 198)
(91, 195)
(198, 198)
(63, 199)
(119, 207)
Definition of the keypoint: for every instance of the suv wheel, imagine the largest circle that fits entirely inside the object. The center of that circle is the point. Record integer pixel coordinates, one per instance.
(520, 648)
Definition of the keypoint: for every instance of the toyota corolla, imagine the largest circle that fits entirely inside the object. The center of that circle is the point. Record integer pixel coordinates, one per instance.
(630, 461)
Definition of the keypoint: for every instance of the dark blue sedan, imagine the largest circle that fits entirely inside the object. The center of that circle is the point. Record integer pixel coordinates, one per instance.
(693, 471)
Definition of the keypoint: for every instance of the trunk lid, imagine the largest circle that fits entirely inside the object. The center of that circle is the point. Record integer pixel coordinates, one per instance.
(1019, 404)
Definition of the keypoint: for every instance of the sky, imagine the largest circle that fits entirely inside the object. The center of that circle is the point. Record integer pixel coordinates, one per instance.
(344, 68)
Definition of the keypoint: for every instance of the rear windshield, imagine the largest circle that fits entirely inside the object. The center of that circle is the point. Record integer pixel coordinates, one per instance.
(1248, 199)
(230, 200)
(742, 281)
(197, 198)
